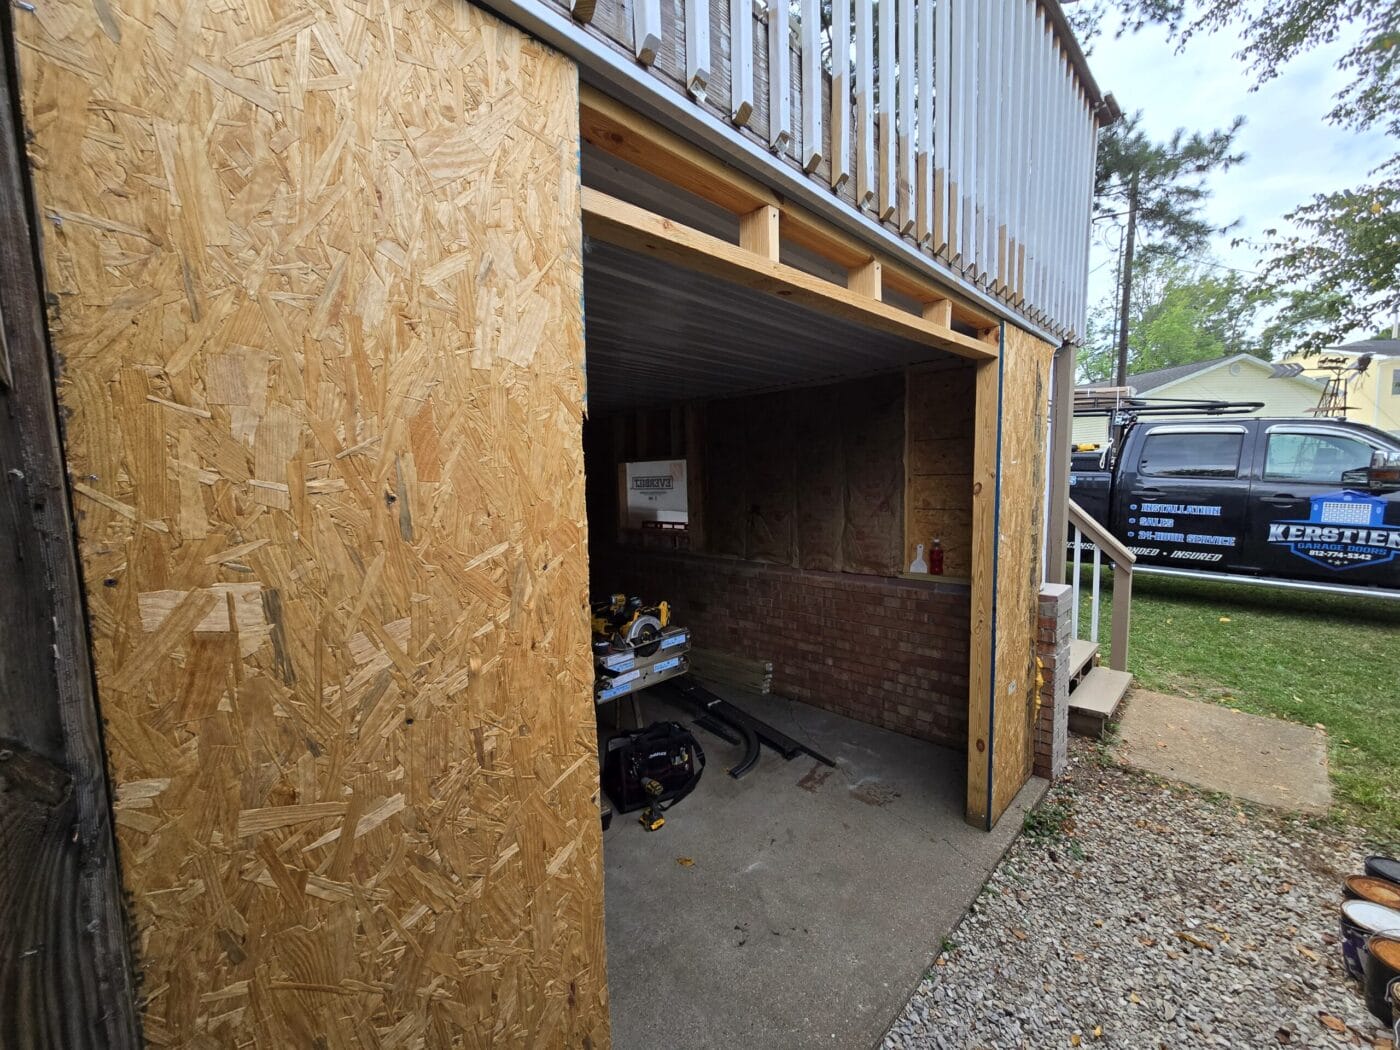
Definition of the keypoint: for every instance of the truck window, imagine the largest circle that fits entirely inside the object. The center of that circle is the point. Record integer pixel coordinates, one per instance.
(1317, 458)
(1187, 455)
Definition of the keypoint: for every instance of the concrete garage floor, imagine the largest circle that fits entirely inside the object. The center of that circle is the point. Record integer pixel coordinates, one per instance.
(801, 905)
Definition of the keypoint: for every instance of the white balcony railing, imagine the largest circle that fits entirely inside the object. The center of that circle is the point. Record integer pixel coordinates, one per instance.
(963, 131)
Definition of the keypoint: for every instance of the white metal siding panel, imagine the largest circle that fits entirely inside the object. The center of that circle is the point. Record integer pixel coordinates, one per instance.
(779, 77)
(813, 147)
(646, 30)
(840, 93)
(924, 166)
(697, 47)
(865, 102)
(741, 85)
(909, 78)
(942, 114)
(884, 110)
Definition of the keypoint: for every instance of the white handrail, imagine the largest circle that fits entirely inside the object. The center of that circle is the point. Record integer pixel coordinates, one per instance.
(1100, 536)
(1083, 527)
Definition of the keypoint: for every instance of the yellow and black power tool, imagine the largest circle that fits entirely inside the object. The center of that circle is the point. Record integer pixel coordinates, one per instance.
(651, 817)
(627, 623)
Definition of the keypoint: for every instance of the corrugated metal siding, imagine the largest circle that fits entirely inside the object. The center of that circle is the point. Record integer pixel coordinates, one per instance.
(658, 334)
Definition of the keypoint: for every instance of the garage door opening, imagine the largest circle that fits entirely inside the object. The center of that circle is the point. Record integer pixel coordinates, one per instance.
(803, 461)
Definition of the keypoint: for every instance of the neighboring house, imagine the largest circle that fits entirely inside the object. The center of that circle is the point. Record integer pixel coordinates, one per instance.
(1239, 377)
(1373, 397)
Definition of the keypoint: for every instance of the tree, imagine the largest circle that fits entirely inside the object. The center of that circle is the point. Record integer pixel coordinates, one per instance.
(1159, 190)
(1184, 310)
(1277, 32)
(1338, 264)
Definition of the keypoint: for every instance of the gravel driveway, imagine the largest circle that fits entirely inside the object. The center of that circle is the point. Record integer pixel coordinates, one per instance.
(1136, 914)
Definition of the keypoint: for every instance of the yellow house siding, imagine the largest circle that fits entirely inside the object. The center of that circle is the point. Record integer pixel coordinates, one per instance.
(1246, 381)
(1372, 397)
(1090, 429)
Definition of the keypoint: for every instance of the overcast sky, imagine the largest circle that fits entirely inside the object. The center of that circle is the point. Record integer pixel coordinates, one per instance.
(1292, 152)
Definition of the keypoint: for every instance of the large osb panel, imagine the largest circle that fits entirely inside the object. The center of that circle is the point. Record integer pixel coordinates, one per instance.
(938, 463)
(1025, 422)
(315, 275)
(810, 477)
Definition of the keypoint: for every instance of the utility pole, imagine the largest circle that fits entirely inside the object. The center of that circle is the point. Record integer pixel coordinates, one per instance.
(1129, 242)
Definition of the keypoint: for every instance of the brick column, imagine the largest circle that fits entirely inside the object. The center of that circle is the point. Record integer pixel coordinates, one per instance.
(1052, 649)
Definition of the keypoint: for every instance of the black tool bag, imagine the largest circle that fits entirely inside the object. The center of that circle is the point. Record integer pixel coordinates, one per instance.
(666, 752)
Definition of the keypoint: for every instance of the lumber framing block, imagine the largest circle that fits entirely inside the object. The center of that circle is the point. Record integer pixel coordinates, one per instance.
(623, 133)
(866, 279)
(939, 311)
(758, 232)
(981, 672)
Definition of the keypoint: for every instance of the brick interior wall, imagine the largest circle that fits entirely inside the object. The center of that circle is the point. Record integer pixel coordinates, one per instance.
(887, 651)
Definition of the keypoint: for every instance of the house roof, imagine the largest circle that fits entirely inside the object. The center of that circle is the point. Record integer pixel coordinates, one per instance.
(1378, 347)
(1142, 382)
(1145, 381)
(1159, 378)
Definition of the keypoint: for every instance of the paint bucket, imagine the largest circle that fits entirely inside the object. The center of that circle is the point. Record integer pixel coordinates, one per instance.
(1362, 919)
(1380, 964)
(1387, 868)
(1372, 888)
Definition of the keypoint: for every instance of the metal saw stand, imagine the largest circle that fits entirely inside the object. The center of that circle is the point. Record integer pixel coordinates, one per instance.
(622, 670)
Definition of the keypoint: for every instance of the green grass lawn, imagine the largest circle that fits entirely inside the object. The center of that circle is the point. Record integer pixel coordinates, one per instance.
(1309, 658)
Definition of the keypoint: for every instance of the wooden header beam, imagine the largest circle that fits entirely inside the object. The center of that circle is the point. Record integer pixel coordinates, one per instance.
(625, 134)
(627, 226)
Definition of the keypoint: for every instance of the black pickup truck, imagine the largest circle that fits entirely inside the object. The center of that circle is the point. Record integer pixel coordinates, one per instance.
(1313, 501)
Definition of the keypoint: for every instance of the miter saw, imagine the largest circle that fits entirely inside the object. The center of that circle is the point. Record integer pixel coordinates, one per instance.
(635, 646)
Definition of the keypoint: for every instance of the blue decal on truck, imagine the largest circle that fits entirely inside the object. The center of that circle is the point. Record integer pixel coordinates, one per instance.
(1344, 530)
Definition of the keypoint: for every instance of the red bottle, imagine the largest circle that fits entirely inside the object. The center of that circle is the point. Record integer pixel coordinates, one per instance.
(935, 558)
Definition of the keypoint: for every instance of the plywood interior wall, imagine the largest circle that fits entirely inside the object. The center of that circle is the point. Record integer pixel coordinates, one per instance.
(1025, 416)
(938, 498)
(811, 478)
(314, 274)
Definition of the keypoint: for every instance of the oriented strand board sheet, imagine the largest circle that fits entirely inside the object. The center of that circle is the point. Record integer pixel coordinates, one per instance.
(315, 275)
(811, 477)
(1025, 425)
(821, 480)
(939, 464)
(770, 459)
(872, 418)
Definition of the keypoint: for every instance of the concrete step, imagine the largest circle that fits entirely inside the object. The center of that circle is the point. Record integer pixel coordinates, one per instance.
(1083, 654)
(1094, 701)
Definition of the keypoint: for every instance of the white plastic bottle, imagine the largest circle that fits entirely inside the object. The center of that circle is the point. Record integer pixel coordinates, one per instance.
(919, 565)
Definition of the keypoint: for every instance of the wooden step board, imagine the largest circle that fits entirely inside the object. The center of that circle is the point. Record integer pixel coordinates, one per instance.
(1094, 701)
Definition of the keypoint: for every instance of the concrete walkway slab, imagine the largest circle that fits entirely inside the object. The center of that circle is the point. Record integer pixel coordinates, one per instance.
(1264, 760)
(801, 905)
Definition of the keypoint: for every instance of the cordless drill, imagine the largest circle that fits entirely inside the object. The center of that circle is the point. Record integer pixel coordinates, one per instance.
(651, 817)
